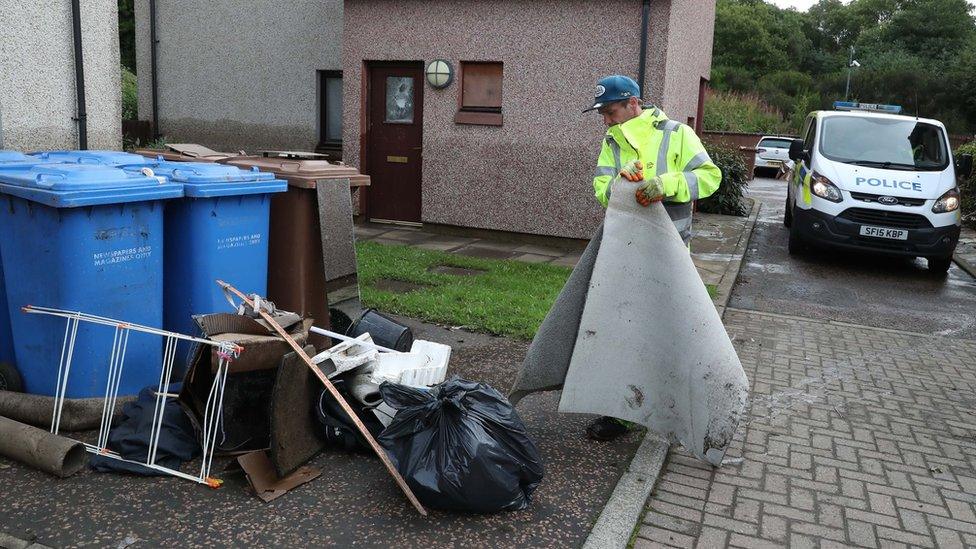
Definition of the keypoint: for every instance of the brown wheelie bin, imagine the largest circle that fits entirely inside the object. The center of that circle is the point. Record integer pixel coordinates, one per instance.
(299, 276)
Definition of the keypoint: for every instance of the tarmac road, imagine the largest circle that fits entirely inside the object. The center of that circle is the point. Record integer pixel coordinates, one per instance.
(894, 293)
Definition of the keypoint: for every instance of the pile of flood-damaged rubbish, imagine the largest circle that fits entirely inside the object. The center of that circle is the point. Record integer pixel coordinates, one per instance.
(259, 393)
(116, 337)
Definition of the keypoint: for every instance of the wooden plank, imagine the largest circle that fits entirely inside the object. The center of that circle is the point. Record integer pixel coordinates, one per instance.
(335, 393)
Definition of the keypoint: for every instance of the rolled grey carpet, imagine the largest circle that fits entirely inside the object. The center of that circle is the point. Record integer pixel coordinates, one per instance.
(547, 360)
(40, 449)
(651, 348)
(78, 414)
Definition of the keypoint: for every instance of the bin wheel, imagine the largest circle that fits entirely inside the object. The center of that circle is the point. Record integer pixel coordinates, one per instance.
(939, 266)
(10, 379)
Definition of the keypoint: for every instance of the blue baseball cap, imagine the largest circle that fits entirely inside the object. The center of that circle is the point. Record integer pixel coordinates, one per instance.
(612, 89)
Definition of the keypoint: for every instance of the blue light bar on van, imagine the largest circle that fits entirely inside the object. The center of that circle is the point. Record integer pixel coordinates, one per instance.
(855, 106)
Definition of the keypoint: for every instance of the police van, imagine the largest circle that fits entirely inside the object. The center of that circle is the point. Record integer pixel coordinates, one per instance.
(867, 178)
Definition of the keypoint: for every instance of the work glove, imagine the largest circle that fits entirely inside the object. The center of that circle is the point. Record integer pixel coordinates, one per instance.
(633, 171)
(650, 191)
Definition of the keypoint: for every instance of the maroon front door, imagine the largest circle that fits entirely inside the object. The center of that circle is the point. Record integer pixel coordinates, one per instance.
(394, 126)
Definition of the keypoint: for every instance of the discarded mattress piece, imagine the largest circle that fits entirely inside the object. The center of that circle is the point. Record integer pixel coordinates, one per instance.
(461, 447)
(650, 347)
(177, 441)
(48, 452)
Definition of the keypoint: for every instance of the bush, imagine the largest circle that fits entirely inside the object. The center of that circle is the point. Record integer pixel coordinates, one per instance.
(738, 112)
(967, 188)
(728, 198)
(130, 95)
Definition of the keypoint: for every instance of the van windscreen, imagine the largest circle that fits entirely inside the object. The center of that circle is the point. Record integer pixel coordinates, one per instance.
(902, 144)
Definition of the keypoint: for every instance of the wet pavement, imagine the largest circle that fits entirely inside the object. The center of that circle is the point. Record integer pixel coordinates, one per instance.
(865, 289)
(354, 503)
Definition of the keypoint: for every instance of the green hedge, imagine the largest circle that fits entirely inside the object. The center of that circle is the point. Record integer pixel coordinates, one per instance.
(130, 95)
(728, 198)
(740, 112)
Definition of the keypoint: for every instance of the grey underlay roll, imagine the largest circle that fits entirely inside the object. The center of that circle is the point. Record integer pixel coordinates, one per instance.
(78, 414)
(40, 449)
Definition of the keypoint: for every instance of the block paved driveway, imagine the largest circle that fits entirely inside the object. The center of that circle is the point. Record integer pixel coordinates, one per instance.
(856, 436)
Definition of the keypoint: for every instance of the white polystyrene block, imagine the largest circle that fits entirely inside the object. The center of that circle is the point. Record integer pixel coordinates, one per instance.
(348, 355)
(424, 365)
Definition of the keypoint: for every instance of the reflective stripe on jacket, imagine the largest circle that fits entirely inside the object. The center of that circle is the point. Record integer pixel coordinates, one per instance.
(667, 149)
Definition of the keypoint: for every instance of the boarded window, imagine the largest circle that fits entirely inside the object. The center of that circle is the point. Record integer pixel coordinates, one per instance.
(481, 93)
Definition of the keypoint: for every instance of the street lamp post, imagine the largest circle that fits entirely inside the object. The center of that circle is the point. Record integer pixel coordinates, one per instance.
(851, 63)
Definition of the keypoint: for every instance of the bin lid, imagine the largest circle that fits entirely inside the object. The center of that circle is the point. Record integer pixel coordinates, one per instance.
(299, 172)
(106, 158)
(167, 154)
(208, 180)
(74, 185)
(15, 159)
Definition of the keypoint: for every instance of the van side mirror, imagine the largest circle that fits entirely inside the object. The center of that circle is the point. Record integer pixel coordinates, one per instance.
(964, 166)
(796, 151)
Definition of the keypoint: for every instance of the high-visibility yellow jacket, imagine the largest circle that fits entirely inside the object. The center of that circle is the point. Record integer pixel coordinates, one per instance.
(667, 149)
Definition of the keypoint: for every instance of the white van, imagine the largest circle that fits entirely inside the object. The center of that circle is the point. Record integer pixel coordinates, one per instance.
(868, 180)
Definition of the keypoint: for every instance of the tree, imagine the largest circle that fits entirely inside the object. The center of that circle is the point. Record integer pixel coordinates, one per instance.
(127, 34)
(916, 53)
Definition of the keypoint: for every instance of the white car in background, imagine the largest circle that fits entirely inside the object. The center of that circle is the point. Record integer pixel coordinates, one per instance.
(772, 152)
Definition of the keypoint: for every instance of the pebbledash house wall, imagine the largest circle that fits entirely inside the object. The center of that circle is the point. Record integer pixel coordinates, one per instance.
(534, 173)
(238, 75)
(38, 101)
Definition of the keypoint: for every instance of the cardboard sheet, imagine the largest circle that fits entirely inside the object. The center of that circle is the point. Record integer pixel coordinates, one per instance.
(267, 485)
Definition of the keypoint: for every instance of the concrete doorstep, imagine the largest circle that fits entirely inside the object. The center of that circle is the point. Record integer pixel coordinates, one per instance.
(622, 513)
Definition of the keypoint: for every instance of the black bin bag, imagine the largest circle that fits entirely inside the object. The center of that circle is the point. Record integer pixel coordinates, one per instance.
(461, 446)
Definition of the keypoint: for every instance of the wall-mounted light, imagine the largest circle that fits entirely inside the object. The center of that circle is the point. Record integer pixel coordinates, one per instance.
(439, 73)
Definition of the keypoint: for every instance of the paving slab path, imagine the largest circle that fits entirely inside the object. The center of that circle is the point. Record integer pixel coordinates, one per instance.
(856, 436)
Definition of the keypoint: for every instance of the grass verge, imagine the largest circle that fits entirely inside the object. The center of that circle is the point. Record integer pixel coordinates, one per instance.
(509, 298)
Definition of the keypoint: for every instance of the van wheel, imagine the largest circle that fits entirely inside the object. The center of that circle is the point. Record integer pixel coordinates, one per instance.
(796, 246)
(10, 378)
(939, 266)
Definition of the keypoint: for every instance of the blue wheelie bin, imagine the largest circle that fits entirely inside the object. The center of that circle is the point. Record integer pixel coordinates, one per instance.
(84, 238)
(219, 230)
(9, 377)
(104, 158)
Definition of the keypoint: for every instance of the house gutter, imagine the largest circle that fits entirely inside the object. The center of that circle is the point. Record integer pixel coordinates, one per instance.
(152, 68)
(82, 117)
(641, 67)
